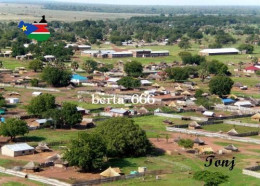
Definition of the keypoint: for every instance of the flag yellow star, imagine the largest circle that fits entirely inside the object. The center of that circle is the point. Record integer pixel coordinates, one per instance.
(24, 28)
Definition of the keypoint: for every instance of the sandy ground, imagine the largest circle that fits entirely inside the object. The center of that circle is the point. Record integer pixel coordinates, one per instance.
(16, 179)
(210, 142)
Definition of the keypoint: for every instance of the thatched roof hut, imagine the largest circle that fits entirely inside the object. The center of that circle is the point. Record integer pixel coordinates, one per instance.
(42, 147)
(256, 117)
(231, 147)
(111, 172)
(142, 110)
(194, 125)
(31, 166)
(238, 84)
(201, 109)
(176, 140)
(168, 122)
(232, 132)
(199, 141)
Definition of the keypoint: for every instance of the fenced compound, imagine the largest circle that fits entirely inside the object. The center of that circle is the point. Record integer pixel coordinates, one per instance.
(243, 110)
(230, 122)
(29, 87)
(123, 177)
(251, 171)
(212, 134)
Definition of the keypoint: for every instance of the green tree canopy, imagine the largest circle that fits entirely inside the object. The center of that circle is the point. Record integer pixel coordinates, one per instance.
(129, 82)
(56, 77)
(177, 73)
(124, 138)
(36, 65)
(41, 104)
(184, 43)
(66, 117)
(13, 127)
(210, 178)
(249, 48)
(87, 151)
(2, 101)
(220, 85)
(186, 143)
(134, 69)
(90, 65)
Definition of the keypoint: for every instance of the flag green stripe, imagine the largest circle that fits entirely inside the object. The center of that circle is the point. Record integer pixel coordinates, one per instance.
(39, 37)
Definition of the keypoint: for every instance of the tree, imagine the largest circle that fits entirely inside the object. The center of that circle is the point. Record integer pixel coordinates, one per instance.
(177, 73)
(186, 143)
(220, 85)
(74, 65)
(134, 69)
(215, 45)
(87, 151)
(56, 77)
(129, 82)
(36, 65)
(187, 58)
(70, 115)
(247, 47)
(210, 178)
(41, 104)
(198, 93)
(34, 82)
(13, 127)
(184, 43)
(124, 138)
(90, 65)
(216, 67)
(1, 64)
(2, 101)
(66, 117)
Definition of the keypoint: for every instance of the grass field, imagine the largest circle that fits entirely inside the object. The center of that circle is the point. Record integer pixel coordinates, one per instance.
(226, 128)
(182, 167)
(153, 125)
(29, 12)
(12, 63)
(248, 120)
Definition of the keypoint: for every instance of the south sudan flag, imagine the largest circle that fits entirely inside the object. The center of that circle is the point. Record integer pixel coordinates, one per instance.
(37, 31)
(41, 34)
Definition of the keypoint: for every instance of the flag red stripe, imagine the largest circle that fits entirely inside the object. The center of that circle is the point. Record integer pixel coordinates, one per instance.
(41, 28)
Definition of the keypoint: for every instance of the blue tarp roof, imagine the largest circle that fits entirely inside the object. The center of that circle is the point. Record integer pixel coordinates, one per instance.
(228, 100)
(78, 77)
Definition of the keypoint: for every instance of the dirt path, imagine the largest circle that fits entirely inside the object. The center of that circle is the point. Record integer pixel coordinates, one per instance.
(16, 179)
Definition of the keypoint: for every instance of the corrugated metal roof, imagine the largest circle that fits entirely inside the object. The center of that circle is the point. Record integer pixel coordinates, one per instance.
(120, 111)
(220, 50)
(19, 147)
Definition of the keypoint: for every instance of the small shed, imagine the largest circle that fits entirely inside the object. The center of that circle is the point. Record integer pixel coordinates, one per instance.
(111, 172)
(228, 101)
(208, 114)
(35, 94)
(13, 100)
(18, 149)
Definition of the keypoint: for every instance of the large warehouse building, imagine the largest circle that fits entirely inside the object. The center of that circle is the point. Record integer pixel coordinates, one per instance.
(219, 51)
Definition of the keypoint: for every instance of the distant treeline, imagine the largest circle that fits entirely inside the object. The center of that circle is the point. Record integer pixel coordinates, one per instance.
(152, 9)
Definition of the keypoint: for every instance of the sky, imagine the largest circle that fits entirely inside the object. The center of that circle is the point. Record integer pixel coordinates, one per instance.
(170, 2)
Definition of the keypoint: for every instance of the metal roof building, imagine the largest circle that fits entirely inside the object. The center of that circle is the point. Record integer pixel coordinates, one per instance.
(219, 51)
(18, 149)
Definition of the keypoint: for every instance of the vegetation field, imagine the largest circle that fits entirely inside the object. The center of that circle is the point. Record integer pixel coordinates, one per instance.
(226, 128)
(29, 12)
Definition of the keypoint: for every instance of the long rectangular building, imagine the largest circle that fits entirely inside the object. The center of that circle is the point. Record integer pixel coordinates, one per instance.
(219, 51)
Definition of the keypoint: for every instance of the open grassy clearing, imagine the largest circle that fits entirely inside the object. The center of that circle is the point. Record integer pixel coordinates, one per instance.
(182, 177)
(12, 63)
(247, 120)
(153, 125)
(226, 128)
(29, 12)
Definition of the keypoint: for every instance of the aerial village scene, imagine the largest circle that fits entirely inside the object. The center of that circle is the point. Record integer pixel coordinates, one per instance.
(156, 99)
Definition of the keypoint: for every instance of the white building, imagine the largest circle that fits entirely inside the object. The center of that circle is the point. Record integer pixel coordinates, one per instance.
(19, 149)
(219, 51)
(13, 100)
